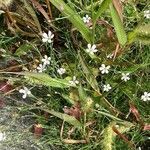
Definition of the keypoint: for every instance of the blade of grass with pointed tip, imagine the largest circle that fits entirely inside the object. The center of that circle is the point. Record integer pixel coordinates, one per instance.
(74, 18)
(70, 119)
(118, 25)
(33, 14)
(42, 79)
(88, 74)
(104, 5)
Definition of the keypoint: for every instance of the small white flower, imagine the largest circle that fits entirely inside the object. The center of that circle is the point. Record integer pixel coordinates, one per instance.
(2, 136)
(47, 37)
(110, 56)
(106, 87)
(139, 148)
(86, 19)
(46, 60)
(147, 14)
(125, 77)
(104, 69)
(74, 82)
(61, 71)
(91, 49)
(145, 96)
(97, 106)
(41, 68)
(1, 12)
(25, 92)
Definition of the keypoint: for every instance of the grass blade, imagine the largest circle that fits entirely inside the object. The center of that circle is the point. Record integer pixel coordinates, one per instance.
(74, 18)
(104, 5)
(69, 119)
(88, 75)
(118, 25)
(42, 79)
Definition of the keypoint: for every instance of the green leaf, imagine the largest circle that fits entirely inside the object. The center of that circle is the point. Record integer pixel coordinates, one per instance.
(33, 14)
(143, 34)
(104, 5)
(134, 68)
(70, 119)
(65, 96)
(140, 33)
(118, 25)
(45, 79)
(23, 49)
(74, 18)
(82, 93)
(88, 75)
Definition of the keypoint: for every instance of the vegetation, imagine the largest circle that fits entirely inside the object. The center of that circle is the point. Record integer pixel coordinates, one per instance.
(74, 74)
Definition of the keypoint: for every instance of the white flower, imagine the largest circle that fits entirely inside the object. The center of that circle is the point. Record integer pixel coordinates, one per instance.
(91, 49)
(2, 136)
(104, 69)
(74, 82)
(125, 77)
(145, 96)
(46, 60)
(106, 87)
(61, 71)
(47, 37)
(86, 19)
(41, 68)
(97, 106)
(139, 148)
(110, 56)
(25, 92)
(147, 14)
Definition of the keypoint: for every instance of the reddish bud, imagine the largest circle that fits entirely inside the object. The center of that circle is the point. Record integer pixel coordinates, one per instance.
(38, 130)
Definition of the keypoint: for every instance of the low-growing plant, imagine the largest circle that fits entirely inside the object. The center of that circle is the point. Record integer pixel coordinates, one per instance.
(84, 62)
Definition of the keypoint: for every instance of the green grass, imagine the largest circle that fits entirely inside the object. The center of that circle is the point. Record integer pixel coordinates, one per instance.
(91, 114)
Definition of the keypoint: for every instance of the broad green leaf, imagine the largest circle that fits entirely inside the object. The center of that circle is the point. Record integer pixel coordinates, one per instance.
(45, 79)
(118, 25)
(88, 74)
(23, 49)
(103, 6)
(42, 79)
(74, 18)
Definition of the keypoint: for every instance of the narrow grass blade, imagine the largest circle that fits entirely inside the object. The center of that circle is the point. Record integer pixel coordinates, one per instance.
(69, 119)
(118, 25)
(33, 14)
(88, 75)
(104, 5)
(118, 6)
(74, 18)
